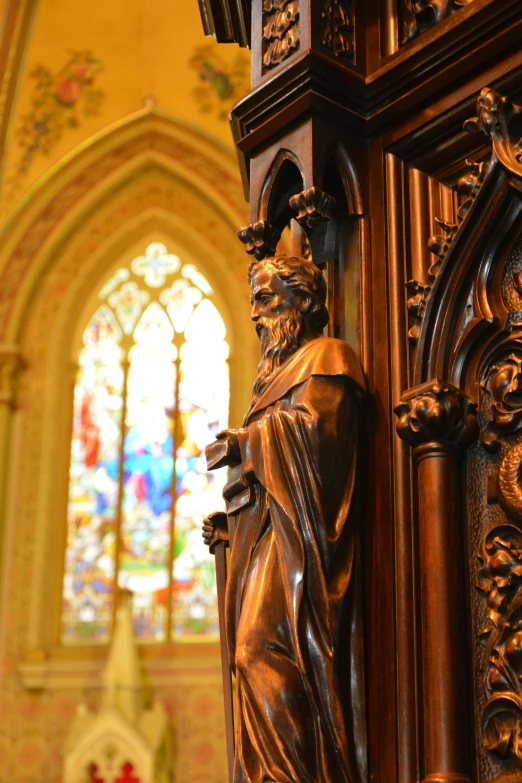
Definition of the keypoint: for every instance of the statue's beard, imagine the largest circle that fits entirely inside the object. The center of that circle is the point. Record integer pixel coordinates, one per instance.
(279, 340)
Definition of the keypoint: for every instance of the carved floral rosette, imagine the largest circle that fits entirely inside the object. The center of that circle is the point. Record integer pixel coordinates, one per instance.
(281, 31)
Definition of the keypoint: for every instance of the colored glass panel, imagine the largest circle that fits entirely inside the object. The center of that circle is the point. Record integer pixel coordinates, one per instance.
(203, 405)
(139, 524)
(93, 486)
(155, 265)
(148, 474)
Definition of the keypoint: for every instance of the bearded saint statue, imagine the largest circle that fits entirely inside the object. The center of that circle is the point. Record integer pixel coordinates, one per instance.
(292, 600)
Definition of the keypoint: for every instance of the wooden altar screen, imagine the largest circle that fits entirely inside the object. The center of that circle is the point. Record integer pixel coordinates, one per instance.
(387, 134)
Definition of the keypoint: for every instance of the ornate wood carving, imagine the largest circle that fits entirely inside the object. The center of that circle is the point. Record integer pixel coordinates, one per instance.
(281, 31)
(503, 385)
(416, 305)
(438, 414)
(439, 244)
(313, 206)
(501, 120)
(500, 581)
(338, 27)
(298, 672)
(439, 422)
(420, 15)
(259, 238)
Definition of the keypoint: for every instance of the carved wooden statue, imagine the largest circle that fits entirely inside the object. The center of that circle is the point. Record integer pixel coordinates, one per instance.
(292, 599)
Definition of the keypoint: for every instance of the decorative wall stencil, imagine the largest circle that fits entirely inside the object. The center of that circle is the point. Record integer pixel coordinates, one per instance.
(281, 31)
(420, 15)
(338, 27)
(500, 580)
(222, 83)
(60, 101)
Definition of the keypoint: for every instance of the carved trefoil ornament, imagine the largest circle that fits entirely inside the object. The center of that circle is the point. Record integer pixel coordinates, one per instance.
(500, 581)
(259, 238)
(338, 27)
(313, 206)
(420, 15)
(281, 31)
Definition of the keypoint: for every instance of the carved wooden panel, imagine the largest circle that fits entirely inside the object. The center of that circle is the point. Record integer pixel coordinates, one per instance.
(281, 31)
(338, 27)
(420, 15)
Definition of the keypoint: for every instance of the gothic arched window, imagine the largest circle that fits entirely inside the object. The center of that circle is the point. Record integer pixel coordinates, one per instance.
(152, 390)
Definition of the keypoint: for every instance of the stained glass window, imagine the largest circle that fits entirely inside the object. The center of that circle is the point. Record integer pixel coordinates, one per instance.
(152, 390)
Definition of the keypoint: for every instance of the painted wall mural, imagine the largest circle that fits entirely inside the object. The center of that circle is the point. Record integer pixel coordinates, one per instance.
(60, 100)
(221, 83)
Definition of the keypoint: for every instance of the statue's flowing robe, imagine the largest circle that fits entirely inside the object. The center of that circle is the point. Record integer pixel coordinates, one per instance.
(292, 605)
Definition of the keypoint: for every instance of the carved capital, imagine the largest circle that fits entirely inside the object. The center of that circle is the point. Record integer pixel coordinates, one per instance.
(338, 27)
(11, 366)
(313, 206)
(436, 413)
(260, 239)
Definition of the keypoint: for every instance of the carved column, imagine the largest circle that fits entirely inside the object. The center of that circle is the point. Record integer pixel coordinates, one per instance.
(439, 422)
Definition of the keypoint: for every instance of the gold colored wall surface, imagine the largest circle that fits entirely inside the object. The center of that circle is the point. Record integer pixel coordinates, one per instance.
(114, 133)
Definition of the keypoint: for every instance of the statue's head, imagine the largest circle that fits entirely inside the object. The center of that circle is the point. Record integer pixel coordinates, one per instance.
(288, 296)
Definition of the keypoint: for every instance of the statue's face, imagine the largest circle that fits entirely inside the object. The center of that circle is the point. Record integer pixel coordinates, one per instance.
(271, 297)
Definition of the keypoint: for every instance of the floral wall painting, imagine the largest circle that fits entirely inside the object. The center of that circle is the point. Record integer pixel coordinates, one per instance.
(221, 83)
(59, 101)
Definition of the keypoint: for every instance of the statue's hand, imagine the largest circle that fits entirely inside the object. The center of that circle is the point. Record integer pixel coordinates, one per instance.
(215, 529)
(224, 451)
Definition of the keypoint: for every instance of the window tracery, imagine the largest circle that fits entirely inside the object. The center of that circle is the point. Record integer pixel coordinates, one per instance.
(152, 389)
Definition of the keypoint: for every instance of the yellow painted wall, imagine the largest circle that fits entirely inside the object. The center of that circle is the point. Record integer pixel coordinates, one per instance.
(144, 49)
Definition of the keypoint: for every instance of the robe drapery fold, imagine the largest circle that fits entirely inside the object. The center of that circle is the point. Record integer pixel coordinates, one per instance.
(292, 605)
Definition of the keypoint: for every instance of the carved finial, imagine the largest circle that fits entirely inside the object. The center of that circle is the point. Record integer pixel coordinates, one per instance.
(260, 239)
(501, 120)
(436, 413)
(313, 206)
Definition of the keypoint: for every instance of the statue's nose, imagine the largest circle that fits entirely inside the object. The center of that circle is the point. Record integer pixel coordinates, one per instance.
(255, 314)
